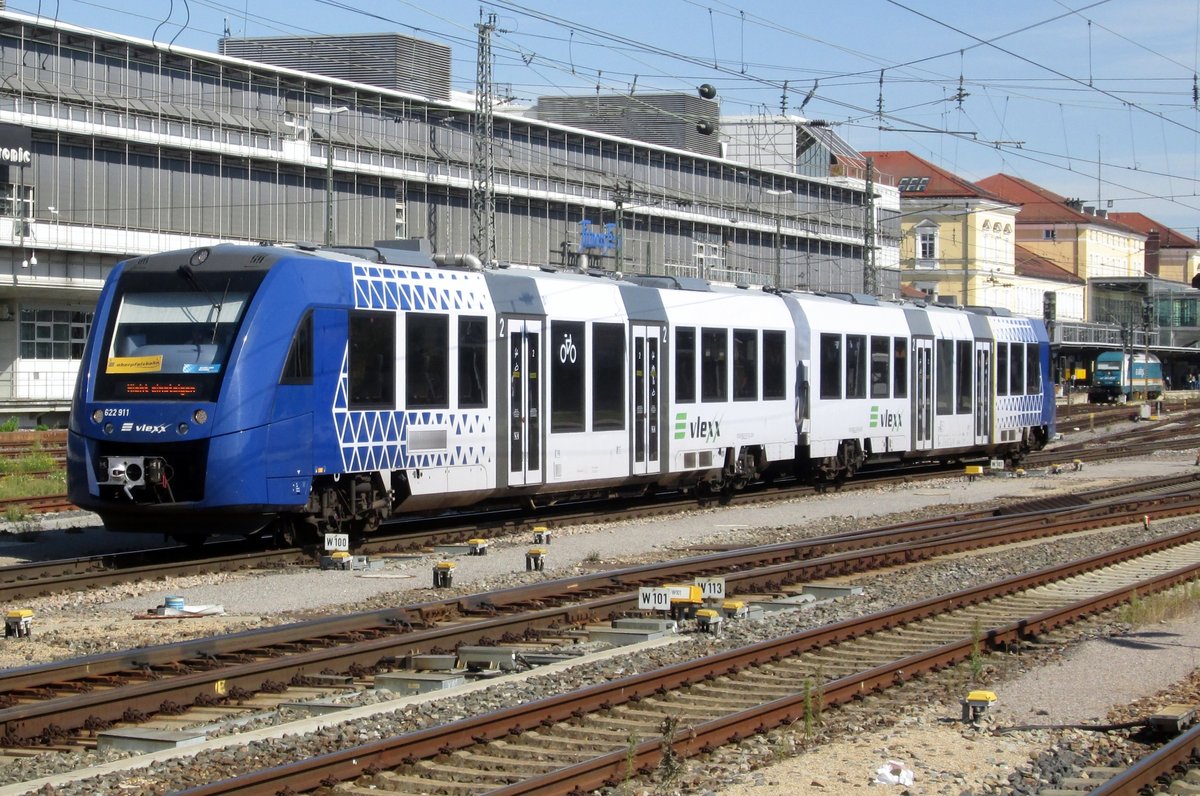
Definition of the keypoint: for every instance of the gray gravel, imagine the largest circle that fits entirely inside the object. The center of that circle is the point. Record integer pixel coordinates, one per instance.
(280, 594)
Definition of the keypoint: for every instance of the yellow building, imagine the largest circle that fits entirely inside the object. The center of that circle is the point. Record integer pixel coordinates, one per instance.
(1170, 254)
(958, 243)
(1084, 241)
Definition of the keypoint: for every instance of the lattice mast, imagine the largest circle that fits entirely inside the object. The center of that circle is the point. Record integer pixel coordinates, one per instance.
(483, 168)
(870, 266)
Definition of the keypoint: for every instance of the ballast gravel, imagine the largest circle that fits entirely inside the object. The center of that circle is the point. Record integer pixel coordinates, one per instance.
(974, 763)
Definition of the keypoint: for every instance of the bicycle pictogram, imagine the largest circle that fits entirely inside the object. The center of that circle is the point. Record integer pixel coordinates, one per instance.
(567, 350)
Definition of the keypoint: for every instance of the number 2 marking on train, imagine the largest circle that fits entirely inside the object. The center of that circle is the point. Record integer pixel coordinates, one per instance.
(500, 333)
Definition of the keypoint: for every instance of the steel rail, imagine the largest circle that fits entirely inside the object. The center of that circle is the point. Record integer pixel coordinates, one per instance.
(1148, 772)
(218, 668)
(901, 543)
(610, 769)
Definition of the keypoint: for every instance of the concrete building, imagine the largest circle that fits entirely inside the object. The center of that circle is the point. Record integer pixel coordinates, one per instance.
(115, 146)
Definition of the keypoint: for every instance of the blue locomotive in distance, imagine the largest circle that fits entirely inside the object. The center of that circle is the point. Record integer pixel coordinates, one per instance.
(1120, 376)
(241, 389)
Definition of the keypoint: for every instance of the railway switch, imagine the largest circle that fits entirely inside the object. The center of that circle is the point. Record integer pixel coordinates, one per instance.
(18, 623)
(976, 704)
(708, 620)
(443, 574)
(541, 535)
(535, 559)
(478, 546)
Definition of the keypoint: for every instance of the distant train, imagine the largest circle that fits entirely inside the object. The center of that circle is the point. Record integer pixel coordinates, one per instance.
(300, 391)
(1120, 376)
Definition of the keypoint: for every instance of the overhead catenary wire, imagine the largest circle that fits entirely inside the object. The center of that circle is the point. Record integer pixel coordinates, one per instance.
(632, 45)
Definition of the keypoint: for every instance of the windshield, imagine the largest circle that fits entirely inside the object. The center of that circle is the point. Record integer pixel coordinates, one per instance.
(171, 334)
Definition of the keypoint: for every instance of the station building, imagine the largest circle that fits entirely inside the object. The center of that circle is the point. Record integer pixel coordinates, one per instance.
(113, 146)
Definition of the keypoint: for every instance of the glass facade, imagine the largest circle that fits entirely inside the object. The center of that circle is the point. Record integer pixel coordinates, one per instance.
(53, 334)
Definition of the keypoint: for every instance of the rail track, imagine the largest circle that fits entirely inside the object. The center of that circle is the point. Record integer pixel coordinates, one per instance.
(414, 535)
(61, 703)
(1129, 442)
(1156, 771)
(464, 610)
(603, 735)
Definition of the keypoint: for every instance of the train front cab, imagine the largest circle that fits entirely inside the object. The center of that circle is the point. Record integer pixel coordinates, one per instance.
(166, 405)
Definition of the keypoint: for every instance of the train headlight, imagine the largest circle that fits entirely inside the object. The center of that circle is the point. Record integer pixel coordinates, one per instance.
(183, 429)
(98, 416)
(200, 416)
(108, 428)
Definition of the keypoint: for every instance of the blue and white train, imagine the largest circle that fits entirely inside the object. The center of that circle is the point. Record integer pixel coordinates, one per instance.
(241, 389)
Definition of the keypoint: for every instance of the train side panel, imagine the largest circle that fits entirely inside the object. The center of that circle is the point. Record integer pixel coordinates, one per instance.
(858, 383)
(414, 398)
(1024, 392)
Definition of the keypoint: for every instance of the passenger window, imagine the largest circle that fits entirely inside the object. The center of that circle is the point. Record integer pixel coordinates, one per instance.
(965, 382)
(472, 362)
(1033, 370)
(427, 367)
(856, 366)
(372, 360)
(745, 365)
(568, 362)
(945, 377)
(608, 377)
(714, 365)
(775, 369)
(831, 366)
(1002, 369)
(880, 351)
(900, 367)
(685, 365)
(298, 367)
(1016, 373)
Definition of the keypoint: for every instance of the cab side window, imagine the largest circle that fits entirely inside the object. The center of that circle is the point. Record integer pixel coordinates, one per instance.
(298, 366)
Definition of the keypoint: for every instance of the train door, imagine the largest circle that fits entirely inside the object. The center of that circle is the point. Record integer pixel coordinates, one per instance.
(922, 400)
(524, 400)
(647, 397)
(983, 391)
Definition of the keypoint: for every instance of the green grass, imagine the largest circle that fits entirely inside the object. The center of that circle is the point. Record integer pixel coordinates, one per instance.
(21, 485)
(17, 479)
(35, 461)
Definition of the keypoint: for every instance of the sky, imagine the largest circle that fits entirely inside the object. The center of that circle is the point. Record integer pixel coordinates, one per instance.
(1091, 99)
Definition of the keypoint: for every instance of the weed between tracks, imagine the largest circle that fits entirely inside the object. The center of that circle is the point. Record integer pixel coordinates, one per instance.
(1171, 604)
(34, 474)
